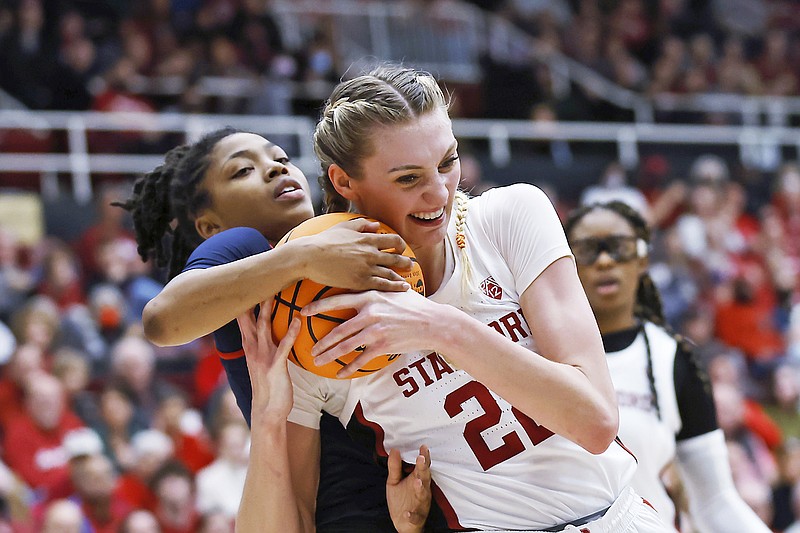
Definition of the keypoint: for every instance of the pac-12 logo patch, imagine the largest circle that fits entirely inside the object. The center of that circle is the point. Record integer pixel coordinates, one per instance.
(491, 289)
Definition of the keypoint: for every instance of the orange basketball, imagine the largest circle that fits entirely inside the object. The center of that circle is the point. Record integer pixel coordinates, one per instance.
(293, 298)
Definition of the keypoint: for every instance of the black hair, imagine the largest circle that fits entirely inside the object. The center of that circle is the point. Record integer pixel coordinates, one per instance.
(648, 300)
(166, 200)
(172, 467)
(648, 306)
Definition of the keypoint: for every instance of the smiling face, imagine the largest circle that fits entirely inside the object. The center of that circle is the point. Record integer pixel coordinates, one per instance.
(252, 183)
(610, 284)
(409, 181)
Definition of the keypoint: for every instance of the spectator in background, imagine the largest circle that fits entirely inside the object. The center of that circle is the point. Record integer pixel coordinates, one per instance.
(33, 441)
(28, 58)
(140, 521)
(151, 450)
(472, 175)
(173, 485)
(37, 322)
(16, 281)
(222, 409)
(700, 222)
(674, 273)
(61, 277)
(774, 65)
(119, 266)
(63, 516)
(73, 369)
(133, 361)
(220, 484)
(784, 401)
(216, 522)
(78, 444)
(185, 427)
(25, 360)
(745, 319)
(730, 368)
(109, 225)
(95, 491)
(760, 463)
(785, 207)
(613, 185)
(117, 424)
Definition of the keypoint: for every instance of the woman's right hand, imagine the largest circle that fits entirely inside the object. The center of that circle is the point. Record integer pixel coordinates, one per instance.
(266, 363)
(352, 255)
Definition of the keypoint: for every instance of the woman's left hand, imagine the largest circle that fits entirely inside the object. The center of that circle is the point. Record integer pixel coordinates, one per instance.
(266, 363)
(409, 497)
(386, 322)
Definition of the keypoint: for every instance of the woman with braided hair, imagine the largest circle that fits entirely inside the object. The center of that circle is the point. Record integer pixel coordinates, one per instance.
(500, 372)
(210, 214)
(666, 407)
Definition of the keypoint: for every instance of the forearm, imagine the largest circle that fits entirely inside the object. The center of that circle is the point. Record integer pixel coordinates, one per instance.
(714, 502)
(556, 395)
(197, 302)
(268, 502)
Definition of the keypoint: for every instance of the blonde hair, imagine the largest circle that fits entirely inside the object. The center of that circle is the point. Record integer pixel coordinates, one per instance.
(389, 94)
(460, 208)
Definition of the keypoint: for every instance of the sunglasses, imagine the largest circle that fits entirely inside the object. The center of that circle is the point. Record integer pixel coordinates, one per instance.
(621, 249)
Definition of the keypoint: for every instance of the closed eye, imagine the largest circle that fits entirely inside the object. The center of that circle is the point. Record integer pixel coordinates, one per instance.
(448, 164)
(244, 171)
(283, 160)
(407, 179)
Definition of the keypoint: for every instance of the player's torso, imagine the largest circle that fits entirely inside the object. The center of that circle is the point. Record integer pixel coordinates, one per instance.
(650, 436)
(492, 465)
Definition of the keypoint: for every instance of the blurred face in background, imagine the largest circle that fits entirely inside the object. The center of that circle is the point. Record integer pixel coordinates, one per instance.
(605, 247)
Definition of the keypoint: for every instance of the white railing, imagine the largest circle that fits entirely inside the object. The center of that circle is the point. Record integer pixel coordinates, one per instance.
(757, 146)
(79, 163)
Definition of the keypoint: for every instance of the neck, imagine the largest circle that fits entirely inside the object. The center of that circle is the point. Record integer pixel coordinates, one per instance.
(432, 261)
(616, 322)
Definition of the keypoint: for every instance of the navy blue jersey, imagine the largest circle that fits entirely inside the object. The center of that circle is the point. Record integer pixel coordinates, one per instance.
(352, 487)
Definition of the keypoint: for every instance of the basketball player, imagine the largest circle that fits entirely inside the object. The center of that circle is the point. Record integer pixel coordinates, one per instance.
(503, 374)
(210, 213)
(666, 408)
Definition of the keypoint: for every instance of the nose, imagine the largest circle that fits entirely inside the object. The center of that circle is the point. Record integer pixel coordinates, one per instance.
(276, 170)
(438, 192)
(604, 259)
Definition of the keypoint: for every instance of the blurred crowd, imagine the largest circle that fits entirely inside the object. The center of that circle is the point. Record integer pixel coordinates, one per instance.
(100, 428)
(668, 47)
(231, 56)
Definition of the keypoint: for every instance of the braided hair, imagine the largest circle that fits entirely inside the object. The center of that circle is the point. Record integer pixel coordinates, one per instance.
(389, 94)
(648, 306)
(166, 200)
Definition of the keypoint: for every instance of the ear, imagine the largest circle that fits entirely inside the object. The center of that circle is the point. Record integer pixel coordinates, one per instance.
(342, 182)
(207, 224)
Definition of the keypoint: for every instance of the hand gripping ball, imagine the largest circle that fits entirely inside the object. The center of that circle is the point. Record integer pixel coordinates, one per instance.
(293, 298)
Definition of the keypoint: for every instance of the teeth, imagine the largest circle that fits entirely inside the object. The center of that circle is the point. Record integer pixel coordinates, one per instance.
(429, 216)
(289, 189)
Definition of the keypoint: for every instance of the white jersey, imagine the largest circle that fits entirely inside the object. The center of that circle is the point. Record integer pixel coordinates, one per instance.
(651, 439)
(652, 435)
(492, 466)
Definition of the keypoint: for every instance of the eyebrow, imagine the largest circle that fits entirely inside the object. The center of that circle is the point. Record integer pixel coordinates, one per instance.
(415, 167)
(241, 153)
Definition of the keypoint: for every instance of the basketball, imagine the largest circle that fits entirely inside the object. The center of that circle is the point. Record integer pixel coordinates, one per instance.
(292, 299)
